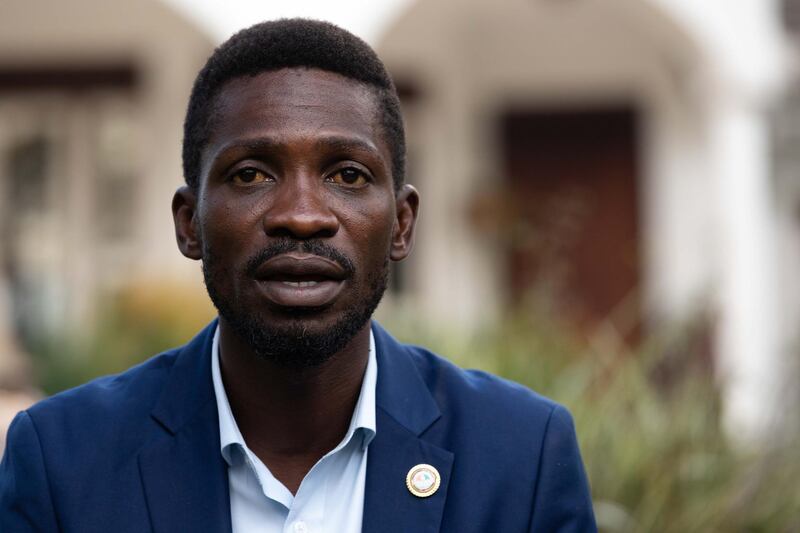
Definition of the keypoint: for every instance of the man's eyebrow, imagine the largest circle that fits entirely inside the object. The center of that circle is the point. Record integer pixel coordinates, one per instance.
(252, 145)
(347, 143)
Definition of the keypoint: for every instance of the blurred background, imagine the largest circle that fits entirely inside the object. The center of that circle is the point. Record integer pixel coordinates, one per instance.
(610, 215)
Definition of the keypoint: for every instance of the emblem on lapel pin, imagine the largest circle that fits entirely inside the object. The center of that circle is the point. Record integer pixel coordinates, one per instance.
(423, 480)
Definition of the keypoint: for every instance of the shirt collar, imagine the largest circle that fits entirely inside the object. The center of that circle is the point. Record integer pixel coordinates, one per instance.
(363, 418)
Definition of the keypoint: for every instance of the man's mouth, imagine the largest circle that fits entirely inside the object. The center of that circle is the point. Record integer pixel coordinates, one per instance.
(301, 280)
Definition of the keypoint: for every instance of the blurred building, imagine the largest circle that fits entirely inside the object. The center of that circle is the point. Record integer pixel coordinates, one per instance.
(92, 97)
(610, 161)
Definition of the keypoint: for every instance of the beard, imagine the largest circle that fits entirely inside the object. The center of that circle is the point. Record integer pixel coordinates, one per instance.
(292, 344)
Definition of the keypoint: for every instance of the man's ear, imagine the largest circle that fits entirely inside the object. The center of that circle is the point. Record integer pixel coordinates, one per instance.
(407, 201)
(184, 214)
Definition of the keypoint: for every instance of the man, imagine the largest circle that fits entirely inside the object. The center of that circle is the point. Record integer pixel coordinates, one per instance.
(293, 412)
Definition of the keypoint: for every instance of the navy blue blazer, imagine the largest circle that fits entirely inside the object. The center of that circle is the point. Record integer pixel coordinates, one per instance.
(140, 452)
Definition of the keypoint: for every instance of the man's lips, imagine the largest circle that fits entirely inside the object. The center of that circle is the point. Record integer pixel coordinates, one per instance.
(300, 280)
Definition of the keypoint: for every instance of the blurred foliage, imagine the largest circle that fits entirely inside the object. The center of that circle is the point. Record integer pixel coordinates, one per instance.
(131, 326)
(648, 420)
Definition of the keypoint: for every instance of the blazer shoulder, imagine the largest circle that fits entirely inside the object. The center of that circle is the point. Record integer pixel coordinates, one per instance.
(530, 439)
(122, 398)
(109, 398)
(499, 400)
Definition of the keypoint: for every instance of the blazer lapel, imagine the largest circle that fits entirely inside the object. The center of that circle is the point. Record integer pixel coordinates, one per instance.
(405, 409)
(184, 475)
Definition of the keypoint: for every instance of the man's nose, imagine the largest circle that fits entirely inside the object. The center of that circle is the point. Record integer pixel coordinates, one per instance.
(300, 209)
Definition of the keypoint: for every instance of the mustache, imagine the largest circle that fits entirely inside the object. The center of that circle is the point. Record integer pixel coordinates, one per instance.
(313, 247)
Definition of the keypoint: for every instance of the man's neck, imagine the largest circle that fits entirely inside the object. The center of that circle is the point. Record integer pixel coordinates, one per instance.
(291, 417)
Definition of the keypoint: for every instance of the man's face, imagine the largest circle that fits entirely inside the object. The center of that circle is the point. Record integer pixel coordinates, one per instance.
(296, 217)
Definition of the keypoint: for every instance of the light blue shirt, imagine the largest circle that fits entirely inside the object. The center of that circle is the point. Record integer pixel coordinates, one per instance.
(331, 496)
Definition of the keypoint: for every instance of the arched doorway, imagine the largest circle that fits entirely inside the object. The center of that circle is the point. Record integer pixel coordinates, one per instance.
(521, 106)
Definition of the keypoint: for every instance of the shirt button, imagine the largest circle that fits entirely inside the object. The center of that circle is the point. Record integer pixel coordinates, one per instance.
(300, 527)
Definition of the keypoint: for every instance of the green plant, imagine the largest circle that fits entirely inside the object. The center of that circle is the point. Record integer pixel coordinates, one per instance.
(132, 325)
(649, 426)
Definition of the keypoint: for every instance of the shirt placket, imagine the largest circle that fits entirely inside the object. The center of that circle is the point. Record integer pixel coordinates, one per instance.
(306, 514)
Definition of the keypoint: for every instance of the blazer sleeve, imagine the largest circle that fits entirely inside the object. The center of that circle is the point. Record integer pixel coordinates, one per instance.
(25, 501)
(562, 501)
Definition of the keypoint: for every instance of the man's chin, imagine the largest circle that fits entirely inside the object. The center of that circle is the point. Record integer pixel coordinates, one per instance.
(300, 341)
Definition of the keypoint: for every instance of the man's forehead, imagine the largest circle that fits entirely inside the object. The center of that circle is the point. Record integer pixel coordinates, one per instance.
(299, 86)
(296, 96)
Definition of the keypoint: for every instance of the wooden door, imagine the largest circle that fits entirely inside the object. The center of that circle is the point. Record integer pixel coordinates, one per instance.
(574, 245)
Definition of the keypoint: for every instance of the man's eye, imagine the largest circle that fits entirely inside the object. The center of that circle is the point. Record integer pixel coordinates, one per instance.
(248, 176)
(350, 177)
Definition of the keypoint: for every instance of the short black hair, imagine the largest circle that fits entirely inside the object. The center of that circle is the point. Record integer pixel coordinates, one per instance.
(290, 43)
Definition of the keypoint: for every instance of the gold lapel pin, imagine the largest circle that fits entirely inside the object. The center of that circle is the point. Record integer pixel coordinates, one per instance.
(423, 480)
